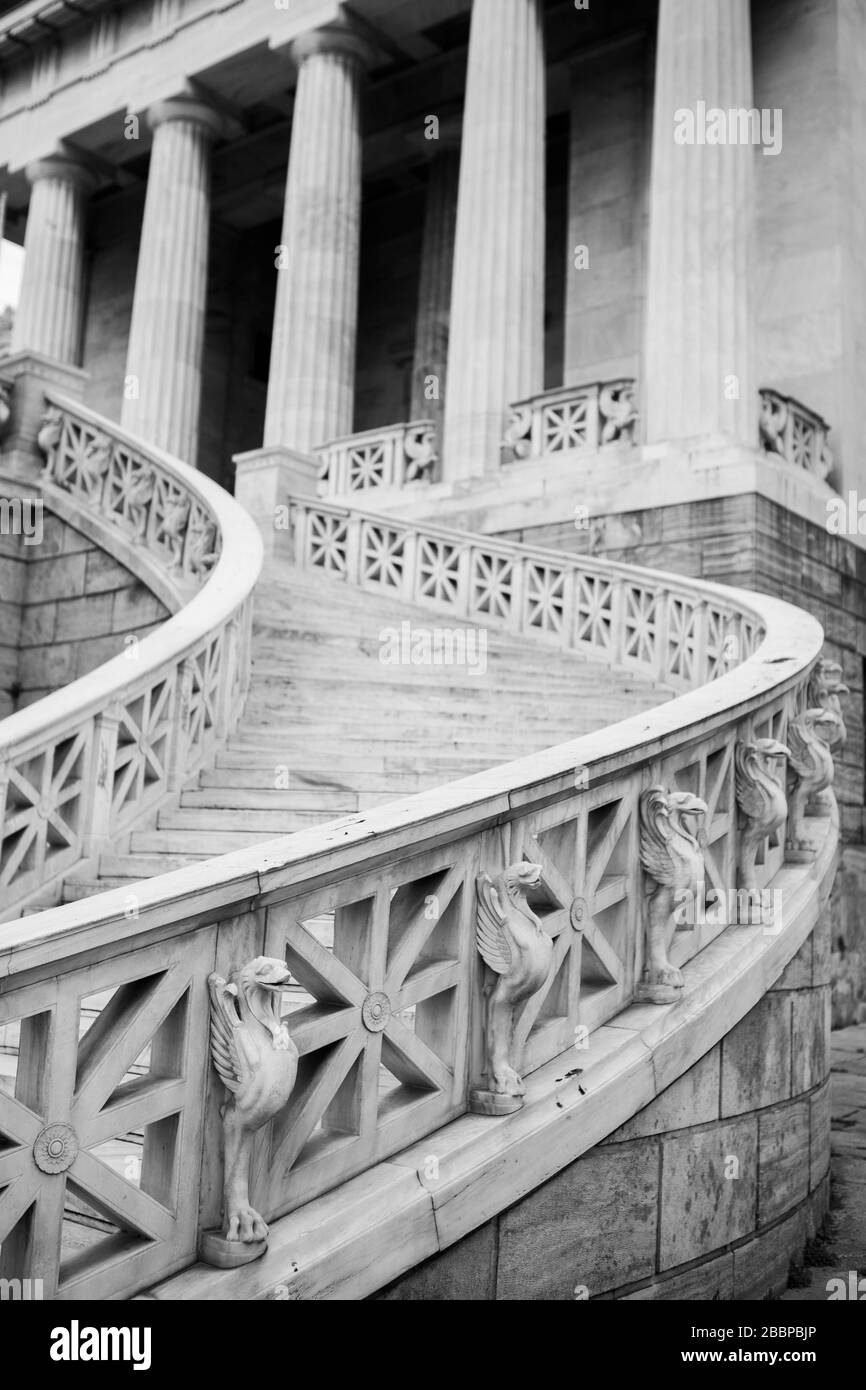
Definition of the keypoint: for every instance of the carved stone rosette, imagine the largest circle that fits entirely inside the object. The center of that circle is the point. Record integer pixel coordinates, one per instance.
(761, 800)
(518, 954)
(672, 856)
(257, 1062)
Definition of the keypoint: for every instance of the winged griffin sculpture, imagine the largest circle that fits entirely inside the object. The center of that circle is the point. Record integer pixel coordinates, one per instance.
(257, 1062)
(809, 737)
(825, 687)
(518, 954)
(761, 799)
(671, 852)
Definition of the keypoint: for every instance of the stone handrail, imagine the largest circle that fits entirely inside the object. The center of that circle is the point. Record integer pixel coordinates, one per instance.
(82, 765)
(571, 417)
(386, 458)
(399, 987)
(795, 433)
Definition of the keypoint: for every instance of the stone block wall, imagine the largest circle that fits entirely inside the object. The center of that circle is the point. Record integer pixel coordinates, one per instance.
(13, 569)
(70, 607)
(709, 1192)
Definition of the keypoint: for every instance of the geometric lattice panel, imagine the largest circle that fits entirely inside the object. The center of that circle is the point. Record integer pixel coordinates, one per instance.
(382, 969)
(101, 1094)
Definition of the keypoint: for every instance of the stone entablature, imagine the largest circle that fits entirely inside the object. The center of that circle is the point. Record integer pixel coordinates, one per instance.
(105, 61)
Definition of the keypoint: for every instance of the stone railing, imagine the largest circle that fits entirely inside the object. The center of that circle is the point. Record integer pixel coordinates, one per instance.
(388, 458)
(82, 765)
(571, 417)
(677, 633)
(374, 924)
(795, 433)
(138, 496)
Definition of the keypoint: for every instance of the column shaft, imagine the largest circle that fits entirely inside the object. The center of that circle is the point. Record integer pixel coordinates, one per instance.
(496, 347)
(434, 288)
(166, 338)
(48, 318)
(311, 379)
(698, 359)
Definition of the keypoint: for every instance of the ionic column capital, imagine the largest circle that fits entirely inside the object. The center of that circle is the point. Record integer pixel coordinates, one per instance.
(191, 109)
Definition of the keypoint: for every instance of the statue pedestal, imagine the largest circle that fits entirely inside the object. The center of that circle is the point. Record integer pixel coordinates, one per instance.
(215, 1250)
(647, 993)
(492, 1103)
(800, 854)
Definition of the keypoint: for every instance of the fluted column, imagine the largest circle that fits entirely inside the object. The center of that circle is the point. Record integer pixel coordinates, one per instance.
(430, 360)
(496, 342)
(162, 393)
(312, 373)
(698, 360)
(48, 318)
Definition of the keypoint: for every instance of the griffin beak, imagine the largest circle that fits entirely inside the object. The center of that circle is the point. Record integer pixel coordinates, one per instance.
(778, 750)
(282, 984)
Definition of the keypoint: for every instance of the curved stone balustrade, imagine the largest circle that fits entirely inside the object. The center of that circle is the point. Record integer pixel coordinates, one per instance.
(572, 417)
(388, 458)
(677, 631)
(400, 987)
(83, 764)
(795, 433)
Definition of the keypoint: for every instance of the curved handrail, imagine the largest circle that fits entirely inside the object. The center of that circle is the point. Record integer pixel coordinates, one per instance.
(110, 744)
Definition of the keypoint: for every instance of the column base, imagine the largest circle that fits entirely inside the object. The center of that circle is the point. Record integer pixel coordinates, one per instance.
(266, 480)
(26, 377)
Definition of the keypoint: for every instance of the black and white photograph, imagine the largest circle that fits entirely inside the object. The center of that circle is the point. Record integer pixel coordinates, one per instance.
(432, 652)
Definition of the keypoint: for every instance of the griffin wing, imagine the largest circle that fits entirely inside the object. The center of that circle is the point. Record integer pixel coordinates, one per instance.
(490, 935)
(750, 797)
(802, 757)
(655, 835)
(227, 1056)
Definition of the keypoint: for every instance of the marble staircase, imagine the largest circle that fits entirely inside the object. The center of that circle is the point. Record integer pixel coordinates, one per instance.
(329, 729)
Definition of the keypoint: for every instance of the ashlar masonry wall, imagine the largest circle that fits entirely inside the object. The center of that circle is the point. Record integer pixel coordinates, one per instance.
(65, 607)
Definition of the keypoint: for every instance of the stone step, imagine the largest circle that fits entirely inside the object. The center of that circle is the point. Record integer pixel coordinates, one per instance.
(276, 821)
(358, 763)
(494, 748)
(259, 782)
(148, 863)
(199, 844)
(269, 798)
(427, 734)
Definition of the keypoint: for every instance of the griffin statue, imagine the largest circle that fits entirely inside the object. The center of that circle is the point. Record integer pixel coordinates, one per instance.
(825, 687)
(761, 799)
(518, 954)
(671, 852)
(809, 737)
(257, 1062)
